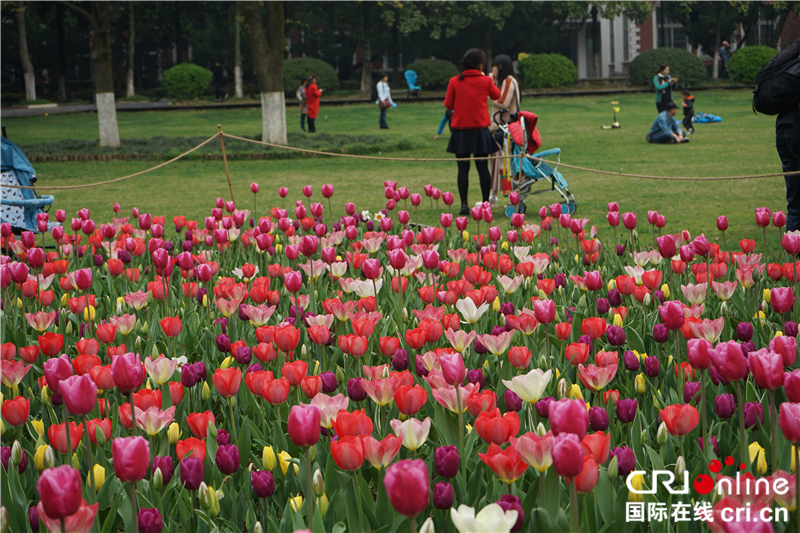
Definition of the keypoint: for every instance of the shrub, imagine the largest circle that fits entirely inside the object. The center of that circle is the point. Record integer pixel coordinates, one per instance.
(186, 81)
(297, 68)
(685, 65)
(546, 70)
(432, 74)
(746, 62)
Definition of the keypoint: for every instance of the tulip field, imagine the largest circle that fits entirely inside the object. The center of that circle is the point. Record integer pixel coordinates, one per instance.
(304, 368)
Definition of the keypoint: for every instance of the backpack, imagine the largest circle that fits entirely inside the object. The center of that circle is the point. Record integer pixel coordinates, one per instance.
(374, 95)
(778, 83)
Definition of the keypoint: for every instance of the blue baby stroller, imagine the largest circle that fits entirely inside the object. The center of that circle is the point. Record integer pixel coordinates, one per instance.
(520, 140)
(411, 81)
(20, 206)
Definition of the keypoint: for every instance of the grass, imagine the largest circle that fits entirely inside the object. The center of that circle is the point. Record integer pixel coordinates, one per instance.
(742, 144)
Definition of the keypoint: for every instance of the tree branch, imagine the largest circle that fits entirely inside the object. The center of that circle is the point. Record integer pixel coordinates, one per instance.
(80, 10)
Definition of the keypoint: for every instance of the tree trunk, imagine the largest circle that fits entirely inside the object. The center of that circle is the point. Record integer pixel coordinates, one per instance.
(237, 54)
(131, 43)
(596, 56)
(25, 58)
(487, 68)
(104, 74)
(366, 62)
(176, 22)
(776, 37)
(62, 56)
(717, 41)
(268, 60)
(395, 53)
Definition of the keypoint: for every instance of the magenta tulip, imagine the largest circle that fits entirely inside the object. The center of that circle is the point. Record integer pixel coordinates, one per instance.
(408, 486)
(303, 425)
(59, 489)
(569, 416)
(781, 299)
(729, 361)
(131, 458)
(80, 394)
(127, 371)
(767, 368)
(567, 454)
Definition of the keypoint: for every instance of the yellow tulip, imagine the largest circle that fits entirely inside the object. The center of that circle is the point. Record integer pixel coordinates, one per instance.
(640, 384)
(617, 320)
(496, 305)
(767, 295)
(38, 425)
(99, 477)
(757, 456)
(227, 362)
(268, 460)
(575, 392)
(779, 333)
(283, 460)
(636, 482)
(322, 503)
(297, 502)
(38, 458)
(174, 433)
(665, 290)
(64, 299)
(19, 303)
(465, 235)
(205, 394)
(612, 284)
(89, 313)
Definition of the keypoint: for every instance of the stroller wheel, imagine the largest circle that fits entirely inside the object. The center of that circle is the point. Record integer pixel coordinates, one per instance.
(569, 207)
(510, 210)
(522, 206)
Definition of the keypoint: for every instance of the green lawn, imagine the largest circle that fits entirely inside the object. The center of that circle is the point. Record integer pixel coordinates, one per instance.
(742, 144)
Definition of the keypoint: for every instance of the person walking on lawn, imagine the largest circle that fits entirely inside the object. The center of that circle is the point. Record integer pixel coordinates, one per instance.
(312, 101)
(467, 96)
(384, 100)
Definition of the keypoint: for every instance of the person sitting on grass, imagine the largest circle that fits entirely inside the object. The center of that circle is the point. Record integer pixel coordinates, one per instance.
(665, 128)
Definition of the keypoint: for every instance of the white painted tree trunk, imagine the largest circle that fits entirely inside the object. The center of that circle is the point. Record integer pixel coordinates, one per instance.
(237, 75)
(273, 117)
(30, 86)
(129, 90)
(107, 119)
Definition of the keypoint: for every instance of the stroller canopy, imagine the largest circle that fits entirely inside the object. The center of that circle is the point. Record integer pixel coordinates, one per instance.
(19, 206)
(12, 159)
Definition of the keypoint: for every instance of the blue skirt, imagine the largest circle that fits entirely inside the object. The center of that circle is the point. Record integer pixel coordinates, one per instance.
(477, 141)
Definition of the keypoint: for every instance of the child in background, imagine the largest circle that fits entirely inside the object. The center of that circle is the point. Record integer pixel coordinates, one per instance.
(688, 111)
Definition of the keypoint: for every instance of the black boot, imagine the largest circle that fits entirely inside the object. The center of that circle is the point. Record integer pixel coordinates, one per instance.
(464, 210)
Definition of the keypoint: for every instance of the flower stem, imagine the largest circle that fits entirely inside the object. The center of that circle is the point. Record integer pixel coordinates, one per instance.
(573, 506)
(773, 419)
(264, 509)
(797, 484)
(358, 500)
(742, 434)
(703, 408)
(462, 452)
(233, 421)
(412, 524)
(542, 494)
(133, 414)
(309, 490)
(66, 428)
(134, 512)
(90, 459)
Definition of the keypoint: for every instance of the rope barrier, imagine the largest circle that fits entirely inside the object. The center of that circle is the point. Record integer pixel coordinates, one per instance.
(221, 134)
(486, 158)
(99, 183)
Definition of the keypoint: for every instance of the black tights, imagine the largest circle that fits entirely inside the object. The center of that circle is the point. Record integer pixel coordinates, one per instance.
(463, 176)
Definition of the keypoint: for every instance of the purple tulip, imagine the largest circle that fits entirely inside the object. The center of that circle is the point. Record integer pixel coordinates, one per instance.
(714, 444)
(543, 407)
(724, 405)
(446, 461)
(223, 343)
(192, 472)
(616, 335)
(400, 360)
(223, 437)
(626, 410)
(660, 333)
(329, 383)
(753, 411)
(263, 483)
(512, 401)
(598, 418)
(626, 460)
(744, 331)
(476, 376)
(691, 391)
(790, 329)
(150, 521)
(508, 503)
(614, 298)
(631, 361)
(164, 463)
(355, 390)
(442, 495)
(652, 367)
(602, 306)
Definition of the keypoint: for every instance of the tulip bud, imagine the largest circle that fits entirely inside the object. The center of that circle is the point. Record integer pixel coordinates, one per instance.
(323, 503)
(541, 430)
(16, 453)
(339, 374)
(213, 500)
(76, 463)
(405, 315)
(647, 299)
(268, 459)
(258, 528)
(38, 457)
(680, 467)
(98, 477)
(174, 433)
(613, 468)
(5, 521)
(45, 395)
(206, 393)
(640, 384)
(211, 431)
(202, 495)
(562, 389)
(138, 342)
(661, 435)
(318, 483)
(312, 453)
(158, 479)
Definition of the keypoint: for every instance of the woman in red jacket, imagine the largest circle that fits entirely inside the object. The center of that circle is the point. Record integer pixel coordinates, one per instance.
(466, 97)
(312, 101)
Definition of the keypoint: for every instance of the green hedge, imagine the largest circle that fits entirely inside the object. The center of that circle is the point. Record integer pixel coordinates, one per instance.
(686, 66)
(746, 62)
(186, 81)
(432, 74)
(297, 68)
(546, 70)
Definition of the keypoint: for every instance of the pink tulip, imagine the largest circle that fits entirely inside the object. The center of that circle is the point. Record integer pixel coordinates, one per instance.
(534, 450)
(59, 489)
(699, 353)
(729, 361)
(722, 223)
(767, 368)
(130, 458)
(80, 394)
(629, 221)
(544, 311)
(567, 455)
(613, 218)
(789, 421)
(791, 243)
(787, 347)
(308, 191)
(779, 219)
(762, 216)
(303, 425)
(781, 299)
(569, 416)
(672, 315)
(700, 245)
(407, 485)
(453, 368)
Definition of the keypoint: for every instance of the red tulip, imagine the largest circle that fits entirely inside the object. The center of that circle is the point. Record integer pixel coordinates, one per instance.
(59, 489)
(106, 333)
(494, 428)
(789, 421)
(80, 394)
(767, 368)
(348, 452)
(482, 401)
(680, 419)
(57, 435)
(131, 458)
(408, 486)
(287, 338)
(594, 327)
(102, 377)
(569, 416)
(171, 326)
(303, 425)
(16, 411)
(781, 299)
(51, 343)
(191, 445)
(729, 361)
(506, 464)
(127, 371)
(294, 372)
(597, 445)
(275, 391)
(389, 345)
(353, 424)
(587, 479)
(409, 400)
(311, 386)
(105, 427)
(672, 315)
(227, 381)
(198, 423)
(520, 356)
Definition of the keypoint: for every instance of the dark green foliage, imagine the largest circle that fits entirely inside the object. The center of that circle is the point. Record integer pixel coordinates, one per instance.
(746, 62)
(686, 66)
(295, 69)
(546, 70)
(432, 74)
(162, 146)
(186, 81)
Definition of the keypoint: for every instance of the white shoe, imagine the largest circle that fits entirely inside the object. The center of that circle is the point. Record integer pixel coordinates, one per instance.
(493, 200)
